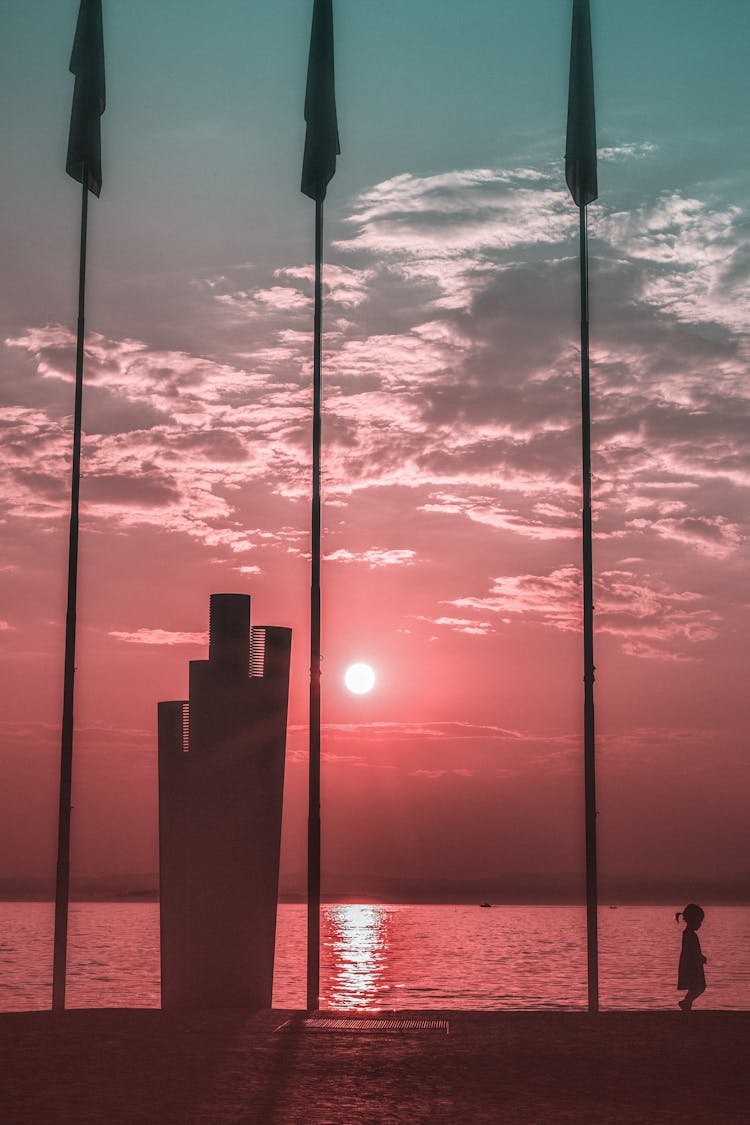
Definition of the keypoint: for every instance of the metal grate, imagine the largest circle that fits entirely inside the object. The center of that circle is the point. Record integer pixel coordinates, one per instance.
(257, 650)
(185, 727)
(353, 1025)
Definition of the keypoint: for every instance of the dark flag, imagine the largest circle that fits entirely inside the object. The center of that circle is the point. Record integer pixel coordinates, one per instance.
(87, 63)
(322, 137)
(580, 144)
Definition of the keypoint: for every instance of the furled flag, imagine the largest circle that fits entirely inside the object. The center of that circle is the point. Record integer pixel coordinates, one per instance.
(322, 137)
(580, 144)
(87, 63)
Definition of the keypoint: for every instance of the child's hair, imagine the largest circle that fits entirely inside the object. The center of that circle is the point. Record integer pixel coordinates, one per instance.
(691, 913)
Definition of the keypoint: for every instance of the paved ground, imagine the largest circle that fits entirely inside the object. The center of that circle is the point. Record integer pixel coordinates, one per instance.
(124, 1066)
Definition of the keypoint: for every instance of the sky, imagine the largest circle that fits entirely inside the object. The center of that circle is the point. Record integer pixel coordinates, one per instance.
(451, 428)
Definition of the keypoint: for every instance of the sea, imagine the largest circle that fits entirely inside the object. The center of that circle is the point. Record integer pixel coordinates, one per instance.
(377, 957)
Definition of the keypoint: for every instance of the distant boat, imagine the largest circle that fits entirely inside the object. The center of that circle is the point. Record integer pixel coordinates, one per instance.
(613, 908)
(485, 904)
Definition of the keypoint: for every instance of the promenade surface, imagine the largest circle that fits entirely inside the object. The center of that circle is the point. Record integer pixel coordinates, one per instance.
(122, 1066)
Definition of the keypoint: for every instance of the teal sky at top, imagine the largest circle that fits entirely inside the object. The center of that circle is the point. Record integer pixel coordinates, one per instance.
(203, 131)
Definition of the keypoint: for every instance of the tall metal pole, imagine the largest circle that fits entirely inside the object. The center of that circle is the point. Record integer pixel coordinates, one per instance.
(62, 886)
(592, 938)
(313, 821)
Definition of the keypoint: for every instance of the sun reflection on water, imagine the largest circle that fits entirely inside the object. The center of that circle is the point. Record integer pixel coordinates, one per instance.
(355, 955)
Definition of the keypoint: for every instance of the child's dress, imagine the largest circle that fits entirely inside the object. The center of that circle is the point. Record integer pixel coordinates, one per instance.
(691, 975)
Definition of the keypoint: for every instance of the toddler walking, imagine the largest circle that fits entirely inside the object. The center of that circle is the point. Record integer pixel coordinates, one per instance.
(691, 975)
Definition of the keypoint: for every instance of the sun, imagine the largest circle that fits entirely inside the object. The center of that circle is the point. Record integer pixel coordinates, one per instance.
(359, 679)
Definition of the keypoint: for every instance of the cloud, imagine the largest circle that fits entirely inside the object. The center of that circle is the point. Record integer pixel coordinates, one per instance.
(440, 775)
(535, 523)
(713, 536)
(451, 403)
(649, 618)
(210, 428)
(159, 637)
(462, 625)
(374, 556)
(343, 286)
(629, 150)
(444, 230)
(693, 248)
(552, 599)
(276, 299)
(429, 730)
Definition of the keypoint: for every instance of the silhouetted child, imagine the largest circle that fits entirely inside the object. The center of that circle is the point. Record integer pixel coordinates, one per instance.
(691, 975)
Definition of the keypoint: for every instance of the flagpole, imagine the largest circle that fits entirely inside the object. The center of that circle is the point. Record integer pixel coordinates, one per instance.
(318, 167)
(592, 938)
(62, 886)
(581, 178)
(313, 822)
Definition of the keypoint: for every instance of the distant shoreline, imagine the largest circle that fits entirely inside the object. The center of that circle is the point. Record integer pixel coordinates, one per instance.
(563, 888)
(521, 888)
(82, 898)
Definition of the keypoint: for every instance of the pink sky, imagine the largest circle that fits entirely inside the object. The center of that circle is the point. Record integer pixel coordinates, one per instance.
(451, 494)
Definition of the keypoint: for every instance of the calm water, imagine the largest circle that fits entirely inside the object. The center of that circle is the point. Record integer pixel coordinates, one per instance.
(395, 956)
